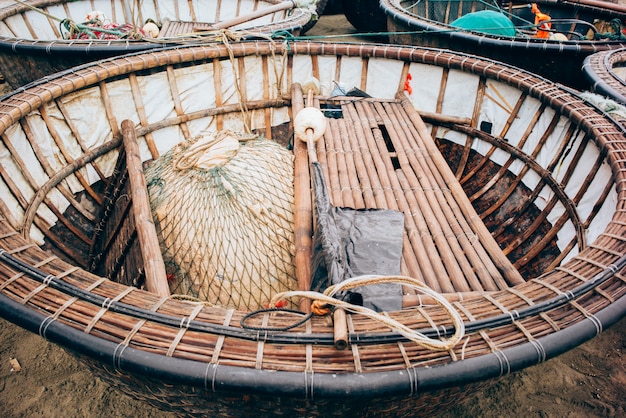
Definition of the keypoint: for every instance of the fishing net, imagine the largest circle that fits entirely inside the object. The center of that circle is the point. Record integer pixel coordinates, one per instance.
(486, 21)
(223, 211)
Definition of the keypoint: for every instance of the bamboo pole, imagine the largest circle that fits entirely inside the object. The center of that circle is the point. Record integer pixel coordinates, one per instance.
(156, 278)
(303, 206)
(340, 321)
(224, 24)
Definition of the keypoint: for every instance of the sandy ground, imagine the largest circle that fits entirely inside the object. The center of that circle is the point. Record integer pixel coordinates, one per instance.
(589, 381)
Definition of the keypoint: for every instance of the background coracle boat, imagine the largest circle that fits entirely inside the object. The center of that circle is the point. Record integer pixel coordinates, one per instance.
(508, 31)
(33, 34)
(541, 167)
(606, 73)
(365, 15)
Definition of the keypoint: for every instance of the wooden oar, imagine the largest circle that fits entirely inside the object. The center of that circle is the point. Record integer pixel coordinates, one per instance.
(156, 277)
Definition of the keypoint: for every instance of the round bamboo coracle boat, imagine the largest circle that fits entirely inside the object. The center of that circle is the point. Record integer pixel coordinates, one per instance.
(365, 15)
(546, 37)
(40, 37)
(605, 72)
(497, 200)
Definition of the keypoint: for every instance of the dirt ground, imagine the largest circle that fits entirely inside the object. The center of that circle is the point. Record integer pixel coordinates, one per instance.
(589, 381)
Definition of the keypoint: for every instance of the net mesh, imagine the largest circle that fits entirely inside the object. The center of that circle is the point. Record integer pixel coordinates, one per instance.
(223, 211)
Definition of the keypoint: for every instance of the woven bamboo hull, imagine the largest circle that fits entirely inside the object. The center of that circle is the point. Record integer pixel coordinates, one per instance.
(604, 72)
(427, 24)
(543, 169)
(365, 15)
(31, 43)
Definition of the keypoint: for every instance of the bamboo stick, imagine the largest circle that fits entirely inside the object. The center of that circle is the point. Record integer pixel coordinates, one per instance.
(156, 280)
(347, 159)
(340, 321)
(345, 191)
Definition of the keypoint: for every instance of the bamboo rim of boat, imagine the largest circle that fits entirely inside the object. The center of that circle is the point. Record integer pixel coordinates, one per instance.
(113, 323)
(395, 11)
(598, 68)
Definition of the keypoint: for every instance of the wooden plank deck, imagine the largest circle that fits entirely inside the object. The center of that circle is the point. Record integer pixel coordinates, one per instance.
(173, 28)
(378, 154)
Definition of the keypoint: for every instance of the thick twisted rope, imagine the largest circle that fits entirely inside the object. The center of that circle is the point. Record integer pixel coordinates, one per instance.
(323, 301)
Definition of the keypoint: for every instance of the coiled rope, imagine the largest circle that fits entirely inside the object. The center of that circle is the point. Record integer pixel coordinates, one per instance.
(322, 303)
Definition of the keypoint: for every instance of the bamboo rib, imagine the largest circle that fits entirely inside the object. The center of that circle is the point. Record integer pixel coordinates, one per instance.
(504, 265)
(49, 170)
(67, 155)
(486, 157)
(141, 112)
(67, 118)
(519, 178)
(178, 107)
(546, 177)
(522, 141)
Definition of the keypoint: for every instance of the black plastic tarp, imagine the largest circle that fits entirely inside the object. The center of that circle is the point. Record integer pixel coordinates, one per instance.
(355, 242)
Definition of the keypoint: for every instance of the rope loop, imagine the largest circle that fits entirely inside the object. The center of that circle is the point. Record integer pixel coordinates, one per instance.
(324, 302)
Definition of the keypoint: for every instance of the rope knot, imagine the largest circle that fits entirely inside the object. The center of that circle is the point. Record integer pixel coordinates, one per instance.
(320, 308)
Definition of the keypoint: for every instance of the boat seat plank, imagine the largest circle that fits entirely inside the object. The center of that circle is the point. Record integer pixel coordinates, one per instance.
(374, 157)
(173, 28)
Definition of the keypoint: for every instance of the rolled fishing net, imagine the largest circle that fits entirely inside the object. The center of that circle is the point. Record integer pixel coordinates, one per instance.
(223, 211)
